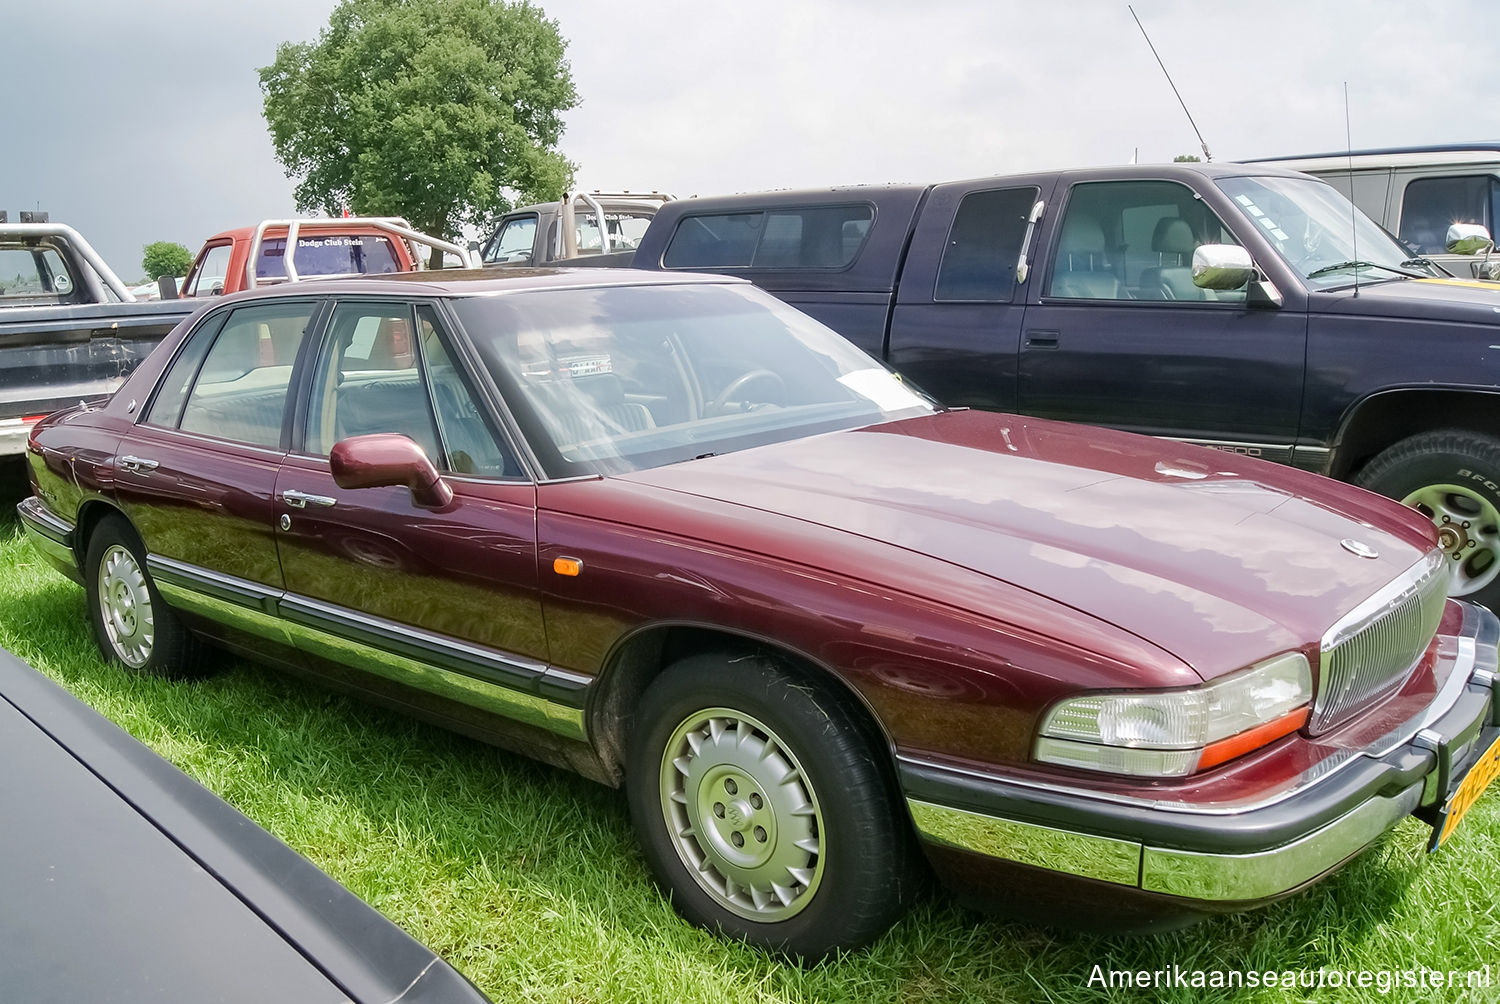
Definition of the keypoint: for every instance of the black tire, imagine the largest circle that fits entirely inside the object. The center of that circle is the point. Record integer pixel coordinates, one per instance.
(133, 627)
(777, 766)
(1453, 477)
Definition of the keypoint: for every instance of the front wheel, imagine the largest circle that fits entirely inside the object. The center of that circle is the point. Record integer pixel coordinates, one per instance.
(759, 804)
(1453, 478)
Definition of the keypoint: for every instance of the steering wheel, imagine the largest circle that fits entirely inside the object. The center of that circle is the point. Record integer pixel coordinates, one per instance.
(773, 382)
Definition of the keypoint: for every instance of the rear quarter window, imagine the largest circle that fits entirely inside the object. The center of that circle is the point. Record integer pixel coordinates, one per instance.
(813, 237)
(328, 254)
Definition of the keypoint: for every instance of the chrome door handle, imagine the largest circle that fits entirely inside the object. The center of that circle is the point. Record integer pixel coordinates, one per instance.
(301, 500)
(137, 465)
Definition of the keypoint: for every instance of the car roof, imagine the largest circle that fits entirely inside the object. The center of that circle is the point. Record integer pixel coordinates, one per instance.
(278, 232)
(484, 282)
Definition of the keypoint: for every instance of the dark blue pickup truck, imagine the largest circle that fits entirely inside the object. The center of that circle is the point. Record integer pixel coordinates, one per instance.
(1311, 337)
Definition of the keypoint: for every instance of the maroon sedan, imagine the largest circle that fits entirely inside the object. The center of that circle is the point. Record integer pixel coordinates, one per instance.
(674, 535)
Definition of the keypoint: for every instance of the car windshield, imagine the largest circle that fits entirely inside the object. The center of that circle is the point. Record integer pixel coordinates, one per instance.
(613, 379)
(1320, 234)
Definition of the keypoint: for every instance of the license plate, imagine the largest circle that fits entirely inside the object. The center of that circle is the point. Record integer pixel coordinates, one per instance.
(1485, 770)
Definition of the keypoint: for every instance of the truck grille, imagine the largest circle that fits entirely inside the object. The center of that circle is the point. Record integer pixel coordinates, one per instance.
(1373, 648)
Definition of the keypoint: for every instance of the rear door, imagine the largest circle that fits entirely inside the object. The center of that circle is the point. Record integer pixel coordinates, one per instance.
(956, 324)
(1121, 337)
(439, 600)
(197, 474)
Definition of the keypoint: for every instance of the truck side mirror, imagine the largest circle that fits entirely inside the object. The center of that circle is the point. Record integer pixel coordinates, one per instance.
(1469, 238)
(166, 287)
(1222, 266)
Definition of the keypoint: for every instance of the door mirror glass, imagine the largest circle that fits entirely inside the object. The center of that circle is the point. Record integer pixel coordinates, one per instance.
(1221, 266)
(1469, 238)
(388, 458)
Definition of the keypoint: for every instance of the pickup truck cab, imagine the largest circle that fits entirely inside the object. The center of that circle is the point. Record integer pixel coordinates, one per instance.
(288, 250)
(69, 328)
(1416, 192)
(588, 223)
(1076, 295)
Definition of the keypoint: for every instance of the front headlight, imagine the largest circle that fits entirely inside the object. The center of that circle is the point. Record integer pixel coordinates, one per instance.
(1169, 733)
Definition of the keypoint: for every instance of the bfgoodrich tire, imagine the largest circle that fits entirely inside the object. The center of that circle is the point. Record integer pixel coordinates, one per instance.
(760, 805)
(132, 625)
(1452, 477)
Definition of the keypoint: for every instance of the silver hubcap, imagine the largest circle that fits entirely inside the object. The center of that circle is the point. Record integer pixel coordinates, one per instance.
(742, 815)
(1468, 531)
(125, 606)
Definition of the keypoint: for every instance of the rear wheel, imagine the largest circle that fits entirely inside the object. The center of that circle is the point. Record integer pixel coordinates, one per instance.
(1453, 478)
(761, 807)
(132, 625)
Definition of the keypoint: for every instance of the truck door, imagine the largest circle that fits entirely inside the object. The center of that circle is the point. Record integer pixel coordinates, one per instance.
(956, 324)
(1121, 337)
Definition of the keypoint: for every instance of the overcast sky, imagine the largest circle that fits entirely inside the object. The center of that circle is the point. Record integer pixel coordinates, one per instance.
(137, 122)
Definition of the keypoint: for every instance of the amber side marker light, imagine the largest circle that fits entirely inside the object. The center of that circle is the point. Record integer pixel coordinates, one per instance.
(1252, 739)
(567, 566)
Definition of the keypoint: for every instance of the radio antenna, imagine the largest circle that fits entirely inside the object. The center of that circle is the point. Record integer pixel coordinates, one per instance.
(1353, 212)
(1207, 157)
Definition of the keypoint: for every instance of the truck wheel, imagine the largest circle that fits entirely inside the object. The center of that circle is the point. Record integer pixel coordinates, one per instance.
(760, 806)
(1452, 477)
(131, 623)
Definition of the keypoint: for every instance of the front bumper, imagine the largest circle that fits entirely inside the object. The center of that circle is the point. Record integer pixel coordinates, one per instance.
(1218, 858)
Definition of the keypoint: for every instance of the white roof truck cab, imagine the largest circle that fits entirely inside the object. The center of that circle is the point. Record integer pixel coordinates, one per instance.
(1417, 193)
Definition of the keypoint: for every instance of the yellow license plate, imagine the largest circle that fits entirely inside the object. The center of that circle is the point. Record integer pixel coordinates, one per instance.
(1485, 770)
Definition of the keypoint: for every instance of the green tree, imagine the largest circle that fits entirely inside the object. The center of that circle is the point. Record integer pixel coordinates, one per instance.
(165, 258)
(434, 110)
(1187, 158)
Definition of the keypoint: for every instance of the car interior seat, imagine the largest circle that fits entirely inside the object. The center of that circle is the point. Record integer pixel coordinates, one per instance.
(1172, 277)
(1083, 268)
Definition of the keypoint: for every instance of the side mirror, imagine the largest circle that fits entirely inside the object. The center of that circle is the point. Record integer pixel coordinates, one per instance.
(388, 458)
(166, 287)
(1469, 238)
(1222, 266)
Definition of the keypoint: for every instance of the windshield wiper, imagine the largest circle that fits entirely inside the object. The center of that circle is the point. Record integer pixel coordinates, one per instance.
(1340, 266)
(1427, 263)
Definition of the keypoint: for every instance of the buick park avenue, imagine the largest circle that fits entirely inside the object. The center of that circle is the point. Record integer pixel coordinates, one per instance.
(669, 532)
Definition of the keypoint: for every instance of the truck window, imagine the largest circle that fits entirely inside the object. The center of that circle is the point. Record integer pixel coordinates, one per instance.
(984, 246)
(328, 254)
(822, 237)
(207, 277)
(1430, 205)
(34, 275)
(1134, 240)
(513, 243)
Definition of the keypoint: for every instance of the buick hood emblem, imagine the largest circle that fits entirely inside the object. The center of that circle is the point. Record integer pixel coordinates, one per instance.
(1358, 547)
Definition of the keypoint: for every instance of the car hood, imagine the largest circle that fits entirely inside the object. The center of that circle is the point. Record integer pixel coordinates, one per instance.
(1217, 559)
(1474, 301)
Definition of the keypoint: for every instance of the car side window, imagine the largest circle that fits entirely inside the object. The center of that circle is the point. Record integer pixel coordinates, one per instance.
(812, 237)
(239, 391)
(208, 276)
(34, 275)
(1134, 240)
(1430, 205)
(383, 368)
(470, 445)
(984, 246)
(514, 243)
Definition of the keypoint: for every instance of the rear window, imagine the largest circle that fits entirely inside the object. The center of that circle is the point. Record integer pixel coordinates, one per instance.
(816, 237)
(328, 254)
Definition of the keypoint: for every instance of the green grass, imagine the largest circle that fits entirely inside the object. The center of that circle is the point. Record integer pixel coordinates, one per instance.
(527, 878)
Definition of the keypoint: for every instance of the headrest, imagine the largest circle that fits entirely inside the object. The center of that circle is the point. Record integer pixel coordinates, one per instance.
(1173, 236)
(1081, 235)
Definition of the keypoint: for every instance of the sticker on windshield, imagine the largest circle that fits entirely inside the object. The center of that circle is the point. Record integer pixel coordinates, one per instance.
(1280, 235)
(882, 388)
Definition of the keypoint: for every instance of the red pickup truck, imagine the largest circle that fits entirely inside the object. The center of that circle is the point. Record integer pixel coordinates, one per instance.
(288, 250)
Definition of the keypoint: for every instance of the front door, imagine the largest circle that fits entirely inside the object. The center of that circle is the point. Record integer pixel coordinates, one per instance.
(1122, 337)
(443, 601)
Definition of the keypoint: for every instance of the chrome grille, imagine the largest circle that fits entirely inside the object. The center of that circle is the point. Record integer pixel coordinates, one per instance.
(1373, 648)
